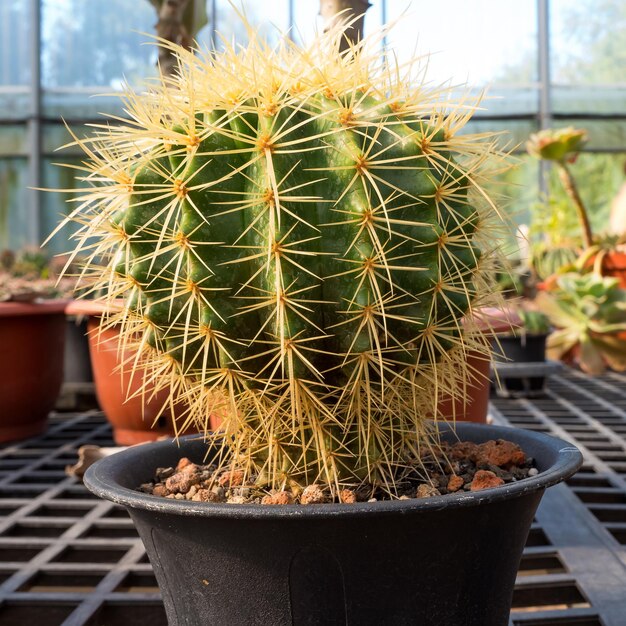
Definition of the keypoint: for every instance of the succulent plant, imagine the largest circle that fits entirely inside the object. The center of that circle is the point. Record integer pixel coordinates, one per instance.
(589, 313)
(298, 235)
(29, 274)
(533, 322)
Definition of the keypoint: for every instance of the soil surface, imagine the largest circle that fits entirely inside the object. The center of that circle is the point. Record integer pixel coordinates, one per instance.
(461, 466)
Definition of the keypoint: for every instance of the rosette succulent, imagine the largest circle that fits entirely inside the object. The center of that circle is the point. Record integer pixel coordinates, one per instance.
(589, 314)
(558, 144)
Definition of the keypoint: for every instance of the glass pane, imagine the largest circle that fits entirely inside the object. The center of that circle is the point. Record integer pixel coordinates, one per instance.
(477, 42)
(518, 188)
(588, 46)
(14, 217)
(96, 42)
(14, 103)
(306, 20)
(55, 206)
(79, 104)
(14, 59)
(502, 100)
(588, 41)
(14, 42)
(56, 135)
(13, 141)
(574, 99)
(92, 47)
(513, 133)
(271, 18)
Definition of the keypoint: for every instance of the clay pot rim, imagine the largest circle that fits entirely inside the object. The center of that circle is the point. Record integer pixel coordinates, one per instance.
(495, 321)
(616, 260)
(39, 307)
(94, 308)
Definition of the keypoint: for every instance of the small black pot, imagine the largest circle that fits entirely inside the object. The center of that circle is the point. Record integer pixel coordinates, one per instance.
(514, 349)
(77, 363)
(519, 348)
(442, 561)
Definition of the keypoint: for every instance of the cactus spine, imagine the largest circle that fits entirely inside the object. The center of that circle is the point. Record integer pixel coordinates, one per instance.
(297, 237)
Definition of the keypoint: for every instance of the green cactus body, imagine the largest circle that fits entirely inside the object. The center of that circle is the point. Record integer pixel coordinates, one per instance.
(300, 253)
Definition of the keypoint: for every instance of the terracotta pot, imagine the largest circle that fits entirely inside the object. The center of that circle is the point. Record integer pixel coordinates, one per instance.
(133, 418)
(614, 265)
(476, 405)
(32, 341)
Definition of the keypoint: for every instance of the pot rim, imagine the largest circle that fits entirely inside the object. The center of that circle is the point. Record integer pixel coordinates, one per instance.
(39, 307)
(495, 321)
(564, 459)
(520, 335)
(94, 308)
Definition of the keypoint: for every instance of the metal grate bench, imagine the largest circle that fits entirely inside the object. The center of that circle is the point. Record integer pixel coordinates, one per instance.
(68, 558)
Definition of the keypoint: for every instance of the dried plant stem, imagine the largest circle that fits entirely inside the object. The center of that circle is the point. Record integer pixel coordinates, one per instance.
(569, 184)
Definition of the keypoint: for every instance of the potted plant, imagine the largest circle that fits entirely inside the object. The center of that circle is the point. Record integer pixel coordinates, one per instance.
(526, 340)
(32, 336)
(298, 235)
(472, 405)
(588, 312)
(519, 354)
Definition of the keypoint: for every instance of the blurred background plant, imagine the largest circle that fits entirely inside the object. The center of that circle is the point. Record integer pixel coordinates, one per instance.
(554, 236)
(589, 313)
(565, 233)
(561, 147)
(533, 322)
(30, 274)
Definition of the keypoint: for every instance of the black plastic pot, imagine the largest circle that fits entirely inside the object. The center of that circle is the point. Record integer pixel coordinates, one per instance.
(512, 349)
(443, 561)
(77, 364)
(520, 348)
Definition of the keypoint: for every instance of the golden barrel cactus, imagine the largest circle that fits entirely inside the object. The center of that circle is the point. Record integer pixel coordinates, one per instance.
(297, 236)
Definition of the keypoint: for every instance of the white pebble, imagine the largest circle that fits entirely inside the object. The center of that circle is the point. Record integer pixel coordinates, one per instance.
(533, 471)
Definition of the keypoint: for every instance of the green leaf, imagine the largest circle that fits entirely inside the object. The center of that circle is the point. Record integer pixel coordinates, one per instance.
(613, 349)
(560, 342)
(560, 313)
(590, 357)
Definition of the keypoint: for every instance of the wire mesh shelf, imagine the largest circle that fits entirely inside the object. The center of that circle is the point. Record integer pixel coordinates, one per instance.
(70, 559)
